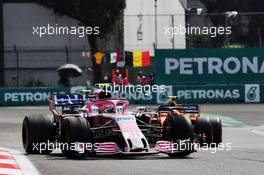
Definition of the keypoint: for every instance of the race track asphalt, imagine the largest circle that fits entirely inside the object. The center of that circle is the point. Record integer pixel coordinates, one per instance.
(245, 157)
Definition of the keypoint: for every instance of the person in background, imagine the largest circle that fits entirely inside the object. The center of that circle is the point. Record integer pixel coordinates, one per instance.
(144, 80)
(106, 79)
(119, 79)
(64, 81)
(88, 84)
(125, 81)
(139, 79)
(117, 71)
(151, 78)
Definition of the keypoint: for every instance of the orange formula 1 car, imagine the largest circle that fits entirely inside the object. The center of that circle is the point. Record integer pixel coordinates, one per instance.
(179, 121)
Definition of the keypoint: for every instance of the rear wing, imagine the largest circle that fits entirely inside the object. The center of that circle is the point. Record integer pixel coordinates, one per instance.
(190, 109)
(69, 99)
(146, 109)
(193, 109)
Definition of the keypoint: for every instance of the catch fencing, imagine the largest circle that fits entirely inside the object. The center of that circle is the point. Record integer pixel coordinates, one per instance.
(36, 67)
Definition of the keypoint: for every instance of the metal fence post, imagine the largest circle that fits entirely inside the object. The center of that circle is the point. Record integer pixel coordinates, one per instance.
(173, 37)
(67, 54)
(17, 65)
(156, 24)
(2, 61)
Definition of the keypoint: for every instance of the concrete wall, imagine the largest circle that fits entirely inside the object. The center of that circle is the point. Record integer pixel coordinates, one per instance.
(165, 8)
(19, 19)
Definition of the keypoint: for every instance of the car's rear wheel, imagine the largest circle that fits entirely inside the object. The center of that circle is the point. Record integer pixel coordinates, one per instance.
(203, 128)
(217, 131)
(177, 128)
(37, 133)
(75, 130)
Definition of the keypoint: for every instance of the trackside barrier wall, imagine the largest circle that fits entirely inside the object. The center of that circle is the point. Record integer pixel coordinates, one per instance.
(212, 75)
(209, 66)
(232, 93)
(244, 93)
(27, 96)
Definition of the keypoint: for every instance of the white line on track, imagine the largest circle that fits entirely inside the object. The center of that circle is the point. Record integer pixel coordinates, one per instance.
(257, 132)
(8, 171)
(6, 161)
(5, 153)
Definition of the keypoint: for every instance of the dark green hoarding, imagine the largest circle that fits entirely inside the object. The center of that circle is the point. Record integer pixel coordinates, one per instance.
(28, 96)
(192, 94)
(209, 66)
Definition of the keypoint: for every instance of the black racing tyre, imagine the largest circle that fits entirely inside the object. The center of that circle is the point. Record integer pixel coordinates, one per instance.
(180, 154)
(144, 118)
(203, 127)
(75, 129)
(217, 131)
(175, 128)
(37, 131)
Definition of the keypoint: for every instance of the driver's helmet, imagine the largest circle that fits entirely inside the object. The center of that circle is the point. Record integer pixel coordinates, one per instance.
(108, 109)
(173, 101)
(74, 110)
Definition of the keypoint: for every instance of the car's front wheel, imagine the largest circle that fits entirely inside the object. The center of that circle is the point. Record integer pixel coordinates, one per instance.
(75, 135)
(178, 128)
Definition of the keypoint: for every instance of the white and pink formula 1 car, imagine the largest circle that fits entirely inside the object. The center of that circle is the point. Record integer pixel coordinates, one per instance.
(96, 124)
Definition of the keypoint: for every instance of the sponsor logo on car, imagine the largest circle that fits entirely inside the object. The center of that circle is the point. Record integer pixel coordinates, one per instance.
(126, 118)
